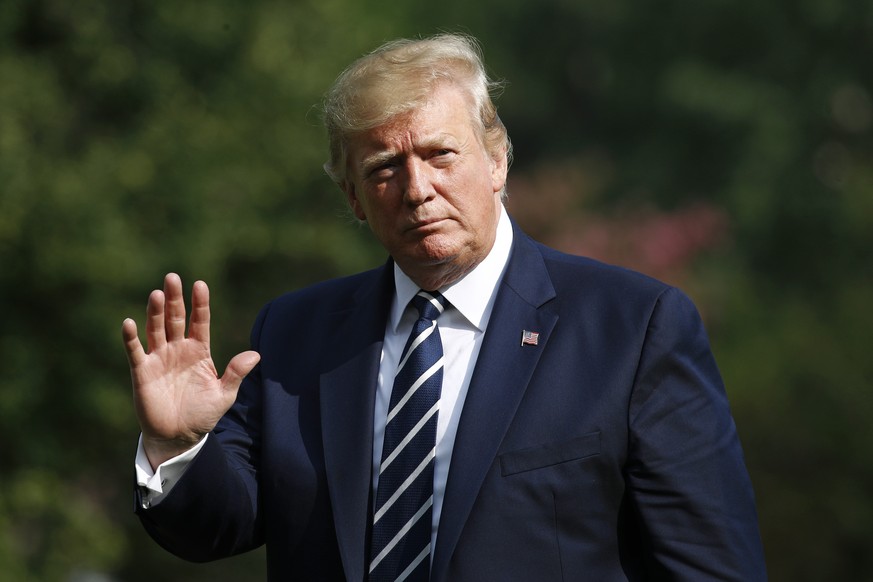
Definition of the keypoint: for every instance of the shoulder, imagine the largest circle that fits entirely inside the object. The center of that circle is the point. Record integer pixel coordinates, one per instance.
(588, 279)
(615, 301)
(591, 292)
(585, 270)
(338, 291)
(327, 298)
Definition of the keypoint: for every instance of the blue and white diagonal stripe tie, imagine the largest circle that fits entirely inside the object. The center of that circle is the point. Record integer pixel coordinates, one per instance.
(400, 548)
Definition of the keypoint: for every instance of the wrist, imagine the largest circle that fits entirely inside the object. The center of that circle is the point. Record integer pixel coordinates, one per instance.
(159, 450)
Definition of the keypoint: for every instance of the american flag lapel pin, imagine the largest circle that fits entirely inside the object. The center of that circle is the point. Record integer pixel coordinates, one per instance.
(530, 338)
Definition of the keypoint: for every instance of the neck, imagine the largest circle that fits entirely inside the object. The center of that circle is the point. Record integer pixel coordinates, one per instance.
(437, 280)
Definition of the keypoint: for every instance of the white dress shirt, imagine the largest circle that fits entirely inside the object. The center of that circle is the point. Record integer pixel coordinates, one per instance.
(462, 329)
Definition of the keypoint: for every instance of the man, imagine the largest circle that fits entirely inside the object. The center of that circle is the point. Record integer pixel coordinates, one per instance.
(552, 418)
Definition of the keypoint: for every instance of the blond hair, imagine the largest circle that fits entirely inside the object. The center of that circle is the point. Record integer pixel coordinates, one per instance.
(400, 76)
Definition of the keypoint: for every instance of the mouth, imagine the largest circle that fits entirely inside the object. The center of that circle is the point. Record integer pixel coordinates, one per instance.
(426, 224)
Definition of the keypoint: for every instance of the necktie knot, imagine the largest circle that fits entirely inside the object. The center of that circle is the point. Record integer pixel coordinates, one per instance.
(430, 304)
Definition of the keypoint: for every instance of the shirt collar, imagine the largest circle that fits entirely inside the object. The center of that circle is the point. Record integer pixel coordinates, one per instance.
(472, 294)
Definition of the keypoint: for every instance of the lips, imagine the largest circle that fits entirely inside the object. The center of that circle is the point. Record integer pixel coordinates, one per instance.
(425, 224)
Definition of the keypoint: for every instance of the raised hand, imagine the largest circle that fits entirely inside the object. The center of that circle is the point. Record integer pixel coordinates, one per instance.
(177, 393)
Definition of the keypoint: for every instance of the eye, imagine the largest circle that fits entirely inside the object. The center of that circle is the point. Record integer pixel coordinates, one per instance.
(442, 156)
(383, 171)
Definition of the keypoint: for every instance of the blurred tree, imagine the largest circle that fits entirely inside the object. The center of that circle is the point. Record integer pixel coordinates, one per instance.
(141, 137)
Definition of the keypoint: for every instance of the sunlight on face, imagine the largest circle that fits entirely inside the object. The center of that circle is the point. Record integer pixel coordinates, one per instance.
(428, 188)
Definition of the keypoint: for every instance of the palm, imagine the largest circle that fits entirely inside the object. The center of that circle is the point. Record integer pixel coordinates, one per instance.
(179, 390)
(178, 394)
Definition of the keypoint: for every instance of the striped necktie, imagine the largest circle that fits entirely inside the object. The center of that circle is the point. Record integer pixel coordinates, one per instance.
(400, 547)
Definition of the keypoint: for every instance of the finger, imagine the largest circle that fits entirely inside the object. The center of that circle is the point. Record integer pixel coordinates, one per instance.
(174, 316)
(155, 333)
(199, 328)
(238, 368)
(132, 346)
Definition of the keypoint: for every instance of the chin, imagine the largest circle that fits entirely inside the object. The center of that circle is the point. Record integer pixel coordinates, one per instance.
(433, 251)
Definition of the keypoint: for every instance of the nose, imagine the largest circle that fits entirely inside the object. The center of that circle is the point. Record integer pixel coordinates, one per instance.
(419, 182)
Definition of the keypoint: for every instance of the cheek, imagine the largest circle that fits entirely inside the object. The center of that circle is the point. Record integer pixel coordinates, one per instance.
(465, 192)
(383, 211)
(477, 199)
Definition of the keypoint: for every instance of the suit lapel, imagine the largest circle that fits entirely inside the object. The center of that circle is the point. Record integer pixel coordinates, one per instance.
(503, 371)
(347, 391)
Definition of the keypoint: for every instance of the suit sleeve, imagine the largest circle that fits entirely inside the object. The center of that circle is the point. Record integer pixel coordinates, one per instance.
(686, 474)
(212, 511)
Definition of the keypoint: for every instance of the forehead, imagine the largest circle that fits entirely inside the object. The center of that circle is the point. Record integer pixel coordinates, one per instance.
(445, 116)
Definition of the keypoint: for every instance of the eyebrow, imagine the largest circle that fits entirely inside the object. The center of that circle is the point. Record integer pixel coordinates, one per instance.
(378, 158)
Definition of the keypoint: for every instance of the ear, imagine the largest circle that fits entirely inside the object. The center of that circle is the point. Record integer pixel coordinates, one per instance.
(499, 169)
(354, 203)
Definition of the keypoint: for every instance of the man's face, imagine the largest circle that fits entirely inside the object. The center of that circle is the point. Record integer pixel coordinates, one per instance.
(428, 188)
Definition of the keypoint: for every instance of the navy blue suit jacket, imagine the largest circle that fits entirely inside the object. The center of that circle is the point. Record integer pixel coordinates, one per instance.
(606, 452)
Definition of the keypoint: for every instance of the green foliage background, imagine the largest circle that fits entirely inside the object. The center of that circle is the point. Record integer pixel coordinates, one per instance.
(142, 137)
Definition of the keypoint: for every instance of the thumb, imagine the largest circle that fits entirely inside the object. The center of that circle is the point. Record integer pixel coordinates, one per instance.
(237, 369)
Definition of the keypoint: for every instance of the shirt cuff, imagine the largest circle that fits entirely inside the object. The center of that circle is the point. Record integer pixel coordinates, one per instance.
(156, 484)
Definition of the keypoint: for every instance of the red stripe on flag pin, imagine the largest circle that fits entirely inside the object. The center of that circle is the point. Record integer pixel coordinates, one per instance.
(530, 338)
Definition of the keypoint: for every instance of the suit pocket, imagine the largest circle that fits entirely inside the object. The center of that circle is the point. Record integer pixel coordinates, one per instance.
(550, 454)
